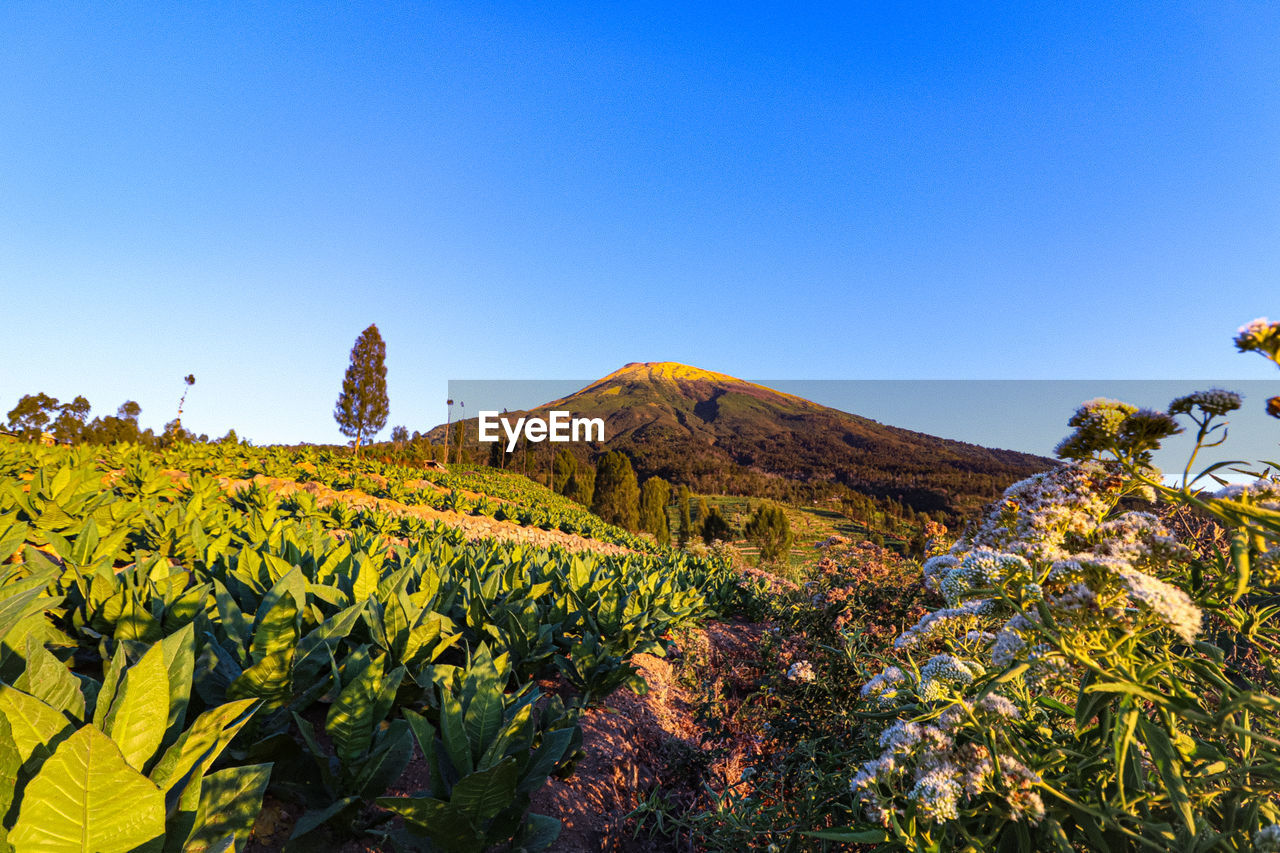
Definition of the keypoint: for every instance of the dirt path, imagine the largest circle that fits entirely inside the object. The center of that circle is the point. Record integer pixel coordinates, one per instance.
(638, 744)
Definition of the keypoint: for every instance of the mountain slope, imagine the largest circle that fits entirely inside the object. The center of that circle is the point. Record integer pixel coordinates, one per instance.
(721, 434)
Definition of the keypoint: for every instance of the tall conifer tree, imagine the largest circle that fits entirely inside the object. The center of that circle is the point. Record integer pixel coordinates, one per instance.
(362, 407)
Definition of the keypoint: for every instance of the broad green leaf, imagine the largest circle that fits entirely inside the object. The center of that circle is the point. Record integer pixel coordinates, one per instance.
(200, 745)
(16, 606)
(442, 822)
(87, 799)
(540, 832)
(10, 763)
(481, 795)
(48, 679)
(277, 629)
(386, 763)
(180, 664)
(454, 733)
(36, 728)
(314, 648)
(358, 709)
(111, 680)
(140, 713)
(483, 719)
(229, 804)
(316, 818)
(366, 584)
(233, 621)
(554, 745)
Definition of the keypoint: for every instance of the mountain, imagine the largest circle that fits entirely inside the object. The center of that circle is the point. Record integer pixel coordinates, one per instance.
(720, 434)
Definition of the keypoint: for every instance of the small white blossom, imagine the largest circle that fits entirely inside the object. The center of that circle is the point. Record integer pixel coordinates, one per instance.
(1169, 604)
(1267, 839)
(801, 671)
(999, 705)
(937, 793)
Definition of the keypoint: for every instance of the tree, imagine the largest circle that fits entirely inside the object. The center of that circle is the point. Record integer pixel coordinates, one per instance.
(562, 470)
(655, 494)
(770, 531)
(617, 497)
(362, 407)
(686, 524)
(714, 527)
(581, 486)
(400, 435)
(32, 414)
(69, 425)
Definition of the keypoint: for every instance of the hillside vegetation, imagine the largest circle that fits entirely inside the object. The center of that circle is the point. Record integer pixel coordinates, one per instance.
(721, 435)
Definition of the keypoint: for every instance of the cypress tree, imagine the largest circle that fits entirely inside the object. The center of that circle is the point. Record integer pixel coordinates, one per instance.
(714, 526)
(655, 494)
(617, 497)
(362, 407)
(563, 469)
(770, 531)
(686, 523)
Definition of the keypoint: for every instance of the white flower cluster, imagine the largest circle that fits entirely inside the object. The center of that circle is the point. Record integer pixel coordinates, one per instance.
(936, 568)
(1136, 536)
(1169, 604)
(980, 569)
(943, 672)
(885, 688)
(801, 671)
(942, 772)
(931, 622)
(1267, 839)
(1263, 492)
(1036, 515)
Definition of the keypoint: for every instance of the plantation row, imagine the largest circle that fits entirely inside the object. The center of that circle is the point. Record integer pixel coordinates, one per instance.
(172, 652)
(501, 496)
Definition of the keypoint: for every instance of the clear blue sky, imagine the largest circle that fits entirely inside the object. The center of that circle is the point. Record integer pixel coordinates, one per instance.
(852, 191)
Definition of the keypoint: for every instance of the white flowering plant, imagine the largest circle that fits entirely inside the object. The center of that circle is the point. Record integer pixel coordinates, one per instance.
(1097, 681)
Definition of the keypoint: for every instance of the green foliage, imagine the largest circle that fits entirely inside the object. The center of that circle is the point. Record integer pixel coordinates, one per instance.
(686, 524)
(362, 407)
(770, 531)
(617, 497)
(488, 754)
(581, 486)
(655, 494)
(32, 414)
(368, 755)
(563, 469)
(326, 620)
(108, 766)
(1101, 664)
(714, 526)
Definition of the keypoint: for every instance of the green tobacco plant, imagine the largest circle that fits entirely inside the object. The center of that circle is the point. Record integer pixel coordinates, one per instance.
(595, 671)
(110, 767)
(367, 755)
(487, 755)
